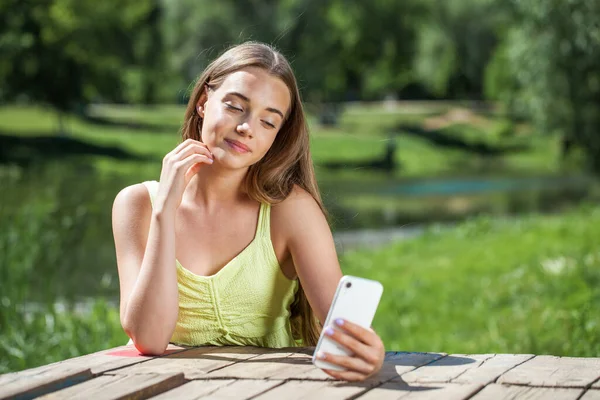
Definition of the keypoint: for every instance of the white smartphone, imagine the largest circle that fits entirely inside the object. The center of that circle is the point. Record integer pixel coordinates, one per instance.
(356, 300)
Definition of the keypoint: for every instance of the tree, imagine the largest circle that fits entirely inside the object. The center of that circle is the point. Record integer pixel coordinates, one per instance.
(548, 70)
(66, 52)
(455, 43)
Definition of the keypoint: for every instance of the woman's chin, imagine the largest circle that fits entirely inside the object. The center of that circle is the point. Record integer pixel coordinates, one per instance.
(231, 163)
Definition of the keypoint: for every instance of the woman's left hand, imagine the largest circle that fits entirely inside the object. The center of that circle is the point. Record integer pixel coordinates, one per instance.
(366, 346)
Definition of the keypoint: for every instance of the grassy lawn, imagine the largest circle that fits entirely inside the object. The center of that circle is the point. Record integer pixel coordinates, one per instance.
(528, 285)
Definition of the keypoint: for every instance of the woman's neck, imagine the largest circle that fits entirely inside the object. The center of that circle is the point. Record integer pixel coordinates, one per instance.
(215, 188)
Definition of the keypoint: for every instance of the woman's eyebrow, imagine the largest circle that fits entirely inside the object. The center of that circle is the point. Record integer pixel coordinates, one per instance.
(247, 100)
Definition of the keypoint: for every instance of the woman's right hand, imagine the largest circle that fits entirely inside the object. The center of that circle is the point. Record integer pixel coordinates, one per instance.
(178, 168)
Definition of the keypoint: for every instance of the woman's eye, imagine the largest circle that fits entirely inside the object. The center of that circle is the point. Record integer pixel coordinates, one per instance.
(233, 107)
(270, 125)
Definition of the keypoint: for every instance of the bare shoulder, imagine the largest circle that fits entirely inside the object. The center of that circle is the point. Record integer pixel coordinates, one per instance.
(132, 198)
(299, 205)
(297, 210)
(132, 207)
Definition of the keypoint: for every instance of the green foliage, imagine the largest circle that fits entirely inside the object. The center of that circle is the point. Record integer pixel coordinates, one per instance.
(54, 253)
(57, 261)
(455, 43)
(528, 285)
(372, 41)
(547, 70)
(68, 52)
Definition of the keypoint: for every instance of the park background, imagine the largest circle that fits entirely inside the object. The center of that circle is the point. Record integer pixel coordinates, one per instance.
(456, 144)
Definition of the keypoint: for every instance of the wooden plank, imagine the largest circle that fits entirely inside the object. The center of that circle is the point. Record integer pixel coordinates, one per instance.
(110, 387)
(219, 389)
(399, 389)
(550, 371)
(400, 363)
(489, 370)
(591, 394)
(98, 362)
(194, 389)
(297, 390)
(446, 369)
(262, 366)
(395, 364)
(196, 363)
(495, 391)
(298, 366)
(28, 386)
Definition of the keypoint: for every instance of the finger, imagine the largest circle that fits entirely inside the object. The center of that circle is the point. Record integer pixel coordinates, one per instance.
(181, 145)
(359, 349)
(192, 149)
(366, 336)
(345, 375)
(193, 170)
(350, 363)
(185, 164)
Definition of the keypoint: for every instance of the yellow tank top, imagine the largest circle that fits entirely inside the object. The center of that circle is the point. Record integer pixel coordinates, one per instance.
(246, 303)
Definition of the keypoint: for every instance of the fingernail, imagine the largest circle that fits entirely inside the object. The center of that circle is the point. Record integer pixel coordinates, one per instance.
(339, 322)
(329, 331)
(321, 355)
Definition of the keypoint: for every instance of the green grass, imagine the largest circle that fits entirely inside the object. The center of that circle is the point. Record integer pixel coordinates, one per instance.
(478, 288)
(528, 285)
(361, 135)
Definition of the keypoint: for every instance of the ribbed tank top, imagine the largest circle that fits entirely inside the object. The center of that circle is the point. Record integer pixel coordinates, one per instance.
(246, 303)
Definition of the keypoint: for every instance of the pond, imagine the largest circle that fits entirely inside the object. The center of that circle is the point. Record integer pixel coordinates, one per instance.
(56, 240)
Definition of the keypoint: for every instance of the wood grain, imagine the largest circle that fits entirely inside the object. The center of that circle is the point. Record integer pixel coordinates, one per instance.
(43, 380)
(446, 369)
(199, 362)
(112, 387)
(550, 371)
(402, 390)
(592, 394)
(507, 392)
(309, 390)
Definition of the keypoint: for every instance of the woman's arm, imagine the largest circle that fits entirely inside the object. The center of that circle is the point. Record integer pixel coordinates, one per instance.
(311, 246)
(306, 233)
(145, 244)
(145, 247)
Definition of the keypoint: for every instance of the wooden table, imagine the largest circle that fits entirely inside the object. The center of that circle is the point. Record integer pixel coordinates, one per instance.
(249, 372)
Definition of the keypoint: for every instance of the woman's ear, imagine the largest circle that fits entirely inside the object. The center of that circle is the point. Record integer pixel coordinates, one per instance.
(200, 110)
(201, 103)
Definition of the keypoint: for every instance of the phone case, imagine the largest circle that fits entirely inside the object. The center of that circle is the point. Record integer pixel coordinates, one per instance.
(356, 300)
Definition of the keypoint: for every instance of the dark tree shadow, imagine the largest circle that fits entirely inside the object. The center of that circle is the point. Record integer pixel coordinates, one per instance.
(441, 139)
(28, 149)
(135, 126)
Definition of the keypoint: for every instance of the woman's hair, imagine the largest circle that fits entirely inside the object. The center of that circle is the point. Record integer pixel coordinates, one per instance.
(287, 163)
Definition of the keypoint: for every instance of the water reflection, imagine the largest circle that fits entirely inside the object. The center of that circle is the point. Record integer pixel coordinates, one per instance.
(57, 238)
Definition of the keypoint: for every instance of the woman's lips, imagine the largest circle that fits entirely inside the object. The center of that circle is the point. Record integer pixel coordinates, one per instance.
(237, 146)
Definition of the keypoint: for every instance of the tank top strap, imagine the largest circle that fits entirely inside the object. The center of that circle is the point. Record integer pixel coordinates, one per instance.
(152, 187)
(264, 221)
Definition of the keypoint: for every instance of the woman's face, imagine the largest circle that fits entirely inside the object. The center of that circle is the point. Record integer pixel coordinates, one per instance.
(242, 117)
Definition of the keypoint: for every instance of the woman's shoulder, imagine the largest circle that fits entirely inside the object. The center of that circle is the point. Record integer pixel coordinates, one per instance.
(298, 200)
(133, 200)
(298, 209)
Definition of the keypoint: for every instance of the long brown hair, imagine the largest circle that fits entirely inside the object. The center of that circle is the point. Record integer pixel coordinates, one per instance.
(287, 163)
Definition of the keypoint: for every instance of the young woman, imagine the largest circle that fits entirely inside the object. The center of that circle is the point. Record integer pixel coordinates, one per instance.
(231, 246)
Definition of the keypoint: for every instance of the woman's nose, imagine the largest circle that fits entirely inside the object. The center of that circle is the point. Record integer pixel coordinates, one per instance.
(244, 129)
